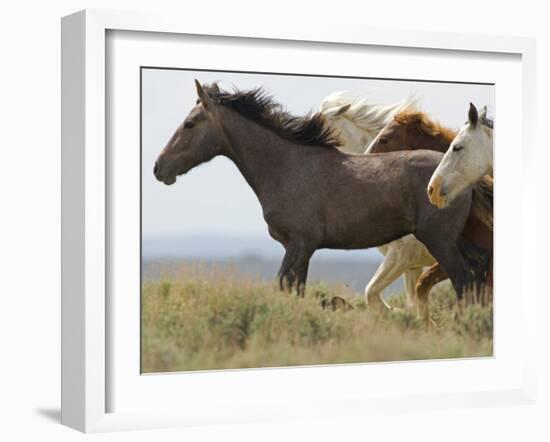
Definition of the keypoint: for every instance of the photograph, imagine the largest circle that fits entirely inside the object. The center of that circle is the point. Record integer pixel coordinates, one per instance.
(332, 220)
(232, 221)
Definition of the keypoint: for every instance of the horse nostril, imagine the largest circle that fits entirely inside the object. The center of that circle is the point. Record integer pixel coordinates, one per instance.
(156, 168)
(430, 190)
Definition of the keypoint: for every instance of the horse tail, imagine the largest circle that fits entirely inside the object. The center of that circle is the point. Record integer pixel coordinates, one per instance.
(482, 201)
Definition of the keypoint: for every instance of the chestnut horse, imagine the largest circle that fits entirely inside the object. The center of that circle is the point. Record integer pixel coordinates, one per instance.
(314, 196)
(412, 130)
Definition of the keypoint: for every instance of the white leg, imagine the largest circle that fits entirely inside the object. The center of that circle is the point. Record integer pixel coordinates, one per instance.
(401, 255)
(410, 278)
(390, 269)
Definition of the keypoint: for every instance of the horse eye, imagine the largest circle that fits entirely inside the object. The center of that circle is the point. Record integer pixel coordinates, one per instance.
(188, 125)
(457, 148)
(383, 140)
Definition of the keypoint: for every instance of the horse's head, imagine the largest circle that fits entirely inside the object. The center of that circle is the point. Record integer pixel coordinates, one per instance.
(390, 139)
(195, 141)
(468, 159)
(411, 130)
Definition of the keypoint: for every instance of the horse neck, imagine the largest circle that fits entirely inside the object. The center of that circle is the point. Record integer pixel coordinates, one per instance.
(366, 135)
(362, 138)
(257, 152)
(357, 139)
(437, 143)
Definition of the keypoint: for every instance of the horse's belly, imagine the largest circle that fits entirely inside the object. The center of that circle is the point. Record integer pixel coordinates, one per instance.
(410, 249)
(366, 233)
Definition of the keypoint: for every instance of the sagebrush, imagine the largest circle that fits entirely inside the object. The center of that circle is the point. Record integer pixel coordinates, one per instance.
(201, 321)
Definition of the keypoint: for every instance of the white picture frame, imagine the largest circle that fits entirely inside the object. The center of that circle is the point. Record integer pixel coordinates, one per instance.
(85, 210)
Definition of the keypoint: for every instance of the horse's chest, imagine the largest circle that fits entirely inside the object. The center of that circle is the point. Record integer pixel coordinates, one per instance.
(294, 217)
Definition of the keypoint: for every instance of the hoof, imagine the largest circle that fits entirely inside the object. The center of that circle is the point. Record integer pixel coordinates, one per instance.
(431, 324)
(377, 305)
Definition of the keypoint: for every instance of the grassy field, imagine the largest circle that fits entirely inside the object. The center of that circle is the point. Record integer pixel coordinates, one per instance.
(200, 320)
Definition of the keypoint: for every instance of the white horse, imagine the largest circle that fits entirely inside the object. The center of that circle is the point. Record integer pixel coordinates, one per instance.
(469, 157)
(359, 122)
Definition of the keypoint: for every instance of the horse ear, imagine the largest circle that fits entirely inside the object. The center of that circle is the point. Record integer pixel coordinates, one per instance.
(483, 113)
(343, 109)
(337, 111)
(473, 115)
(203, 96)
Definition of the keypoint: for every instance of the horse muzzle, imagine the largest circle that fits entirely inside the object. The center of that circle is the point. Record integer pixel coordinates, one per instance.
(168, 180)
(437, 193)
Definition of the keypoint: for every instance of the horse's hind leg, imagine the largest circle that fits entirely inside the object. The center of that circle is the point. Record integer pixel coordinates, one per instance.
(426, 281)
(410, 279)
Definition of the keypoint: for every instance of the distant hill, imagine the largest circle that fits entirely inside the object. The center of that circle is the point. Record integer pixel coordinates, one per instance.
(257, 257)
(212, 246)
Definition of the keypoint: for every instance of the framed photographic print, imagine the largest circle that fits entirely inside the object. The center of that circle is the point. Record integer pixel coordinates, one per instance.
(255, 221)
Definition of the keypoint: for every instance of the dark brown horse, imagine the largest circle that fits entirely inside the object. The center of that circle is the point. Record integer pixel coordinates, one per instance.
(412, 130)
(313, 196)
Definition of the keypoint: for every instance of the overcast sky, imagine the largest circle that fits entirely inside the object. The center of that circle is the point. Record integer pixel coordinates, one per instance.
(214, 198)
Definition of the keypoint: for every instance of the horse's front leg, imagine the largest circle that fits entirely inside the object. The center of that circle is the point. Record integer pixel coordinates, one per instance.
(294, 268)
(300, 271)
(425, 283)
(389, 270)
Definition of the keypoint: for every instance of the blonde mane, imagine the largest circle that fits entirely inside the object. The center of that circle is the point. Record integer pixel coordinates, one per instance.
(371, 117)
(414, 117)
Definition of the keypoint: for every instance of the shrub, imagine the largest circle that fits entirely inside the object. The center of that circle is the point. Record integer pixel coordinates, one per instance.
(198, 321)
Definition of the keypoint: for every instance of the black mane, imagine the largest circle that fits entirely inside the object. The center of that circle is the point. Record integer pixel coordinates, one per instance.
(258, 106)
(487, 122)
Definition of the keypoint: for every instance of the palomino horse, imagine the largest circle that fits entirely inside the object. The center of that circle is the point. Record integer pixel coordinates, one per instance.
(357, 122)
(468, 158)
(314, 196)
(413, 130)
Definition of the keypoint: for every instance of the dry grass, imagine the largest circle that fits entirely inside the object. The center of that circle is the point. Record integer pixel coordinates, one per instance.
(200, 320)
